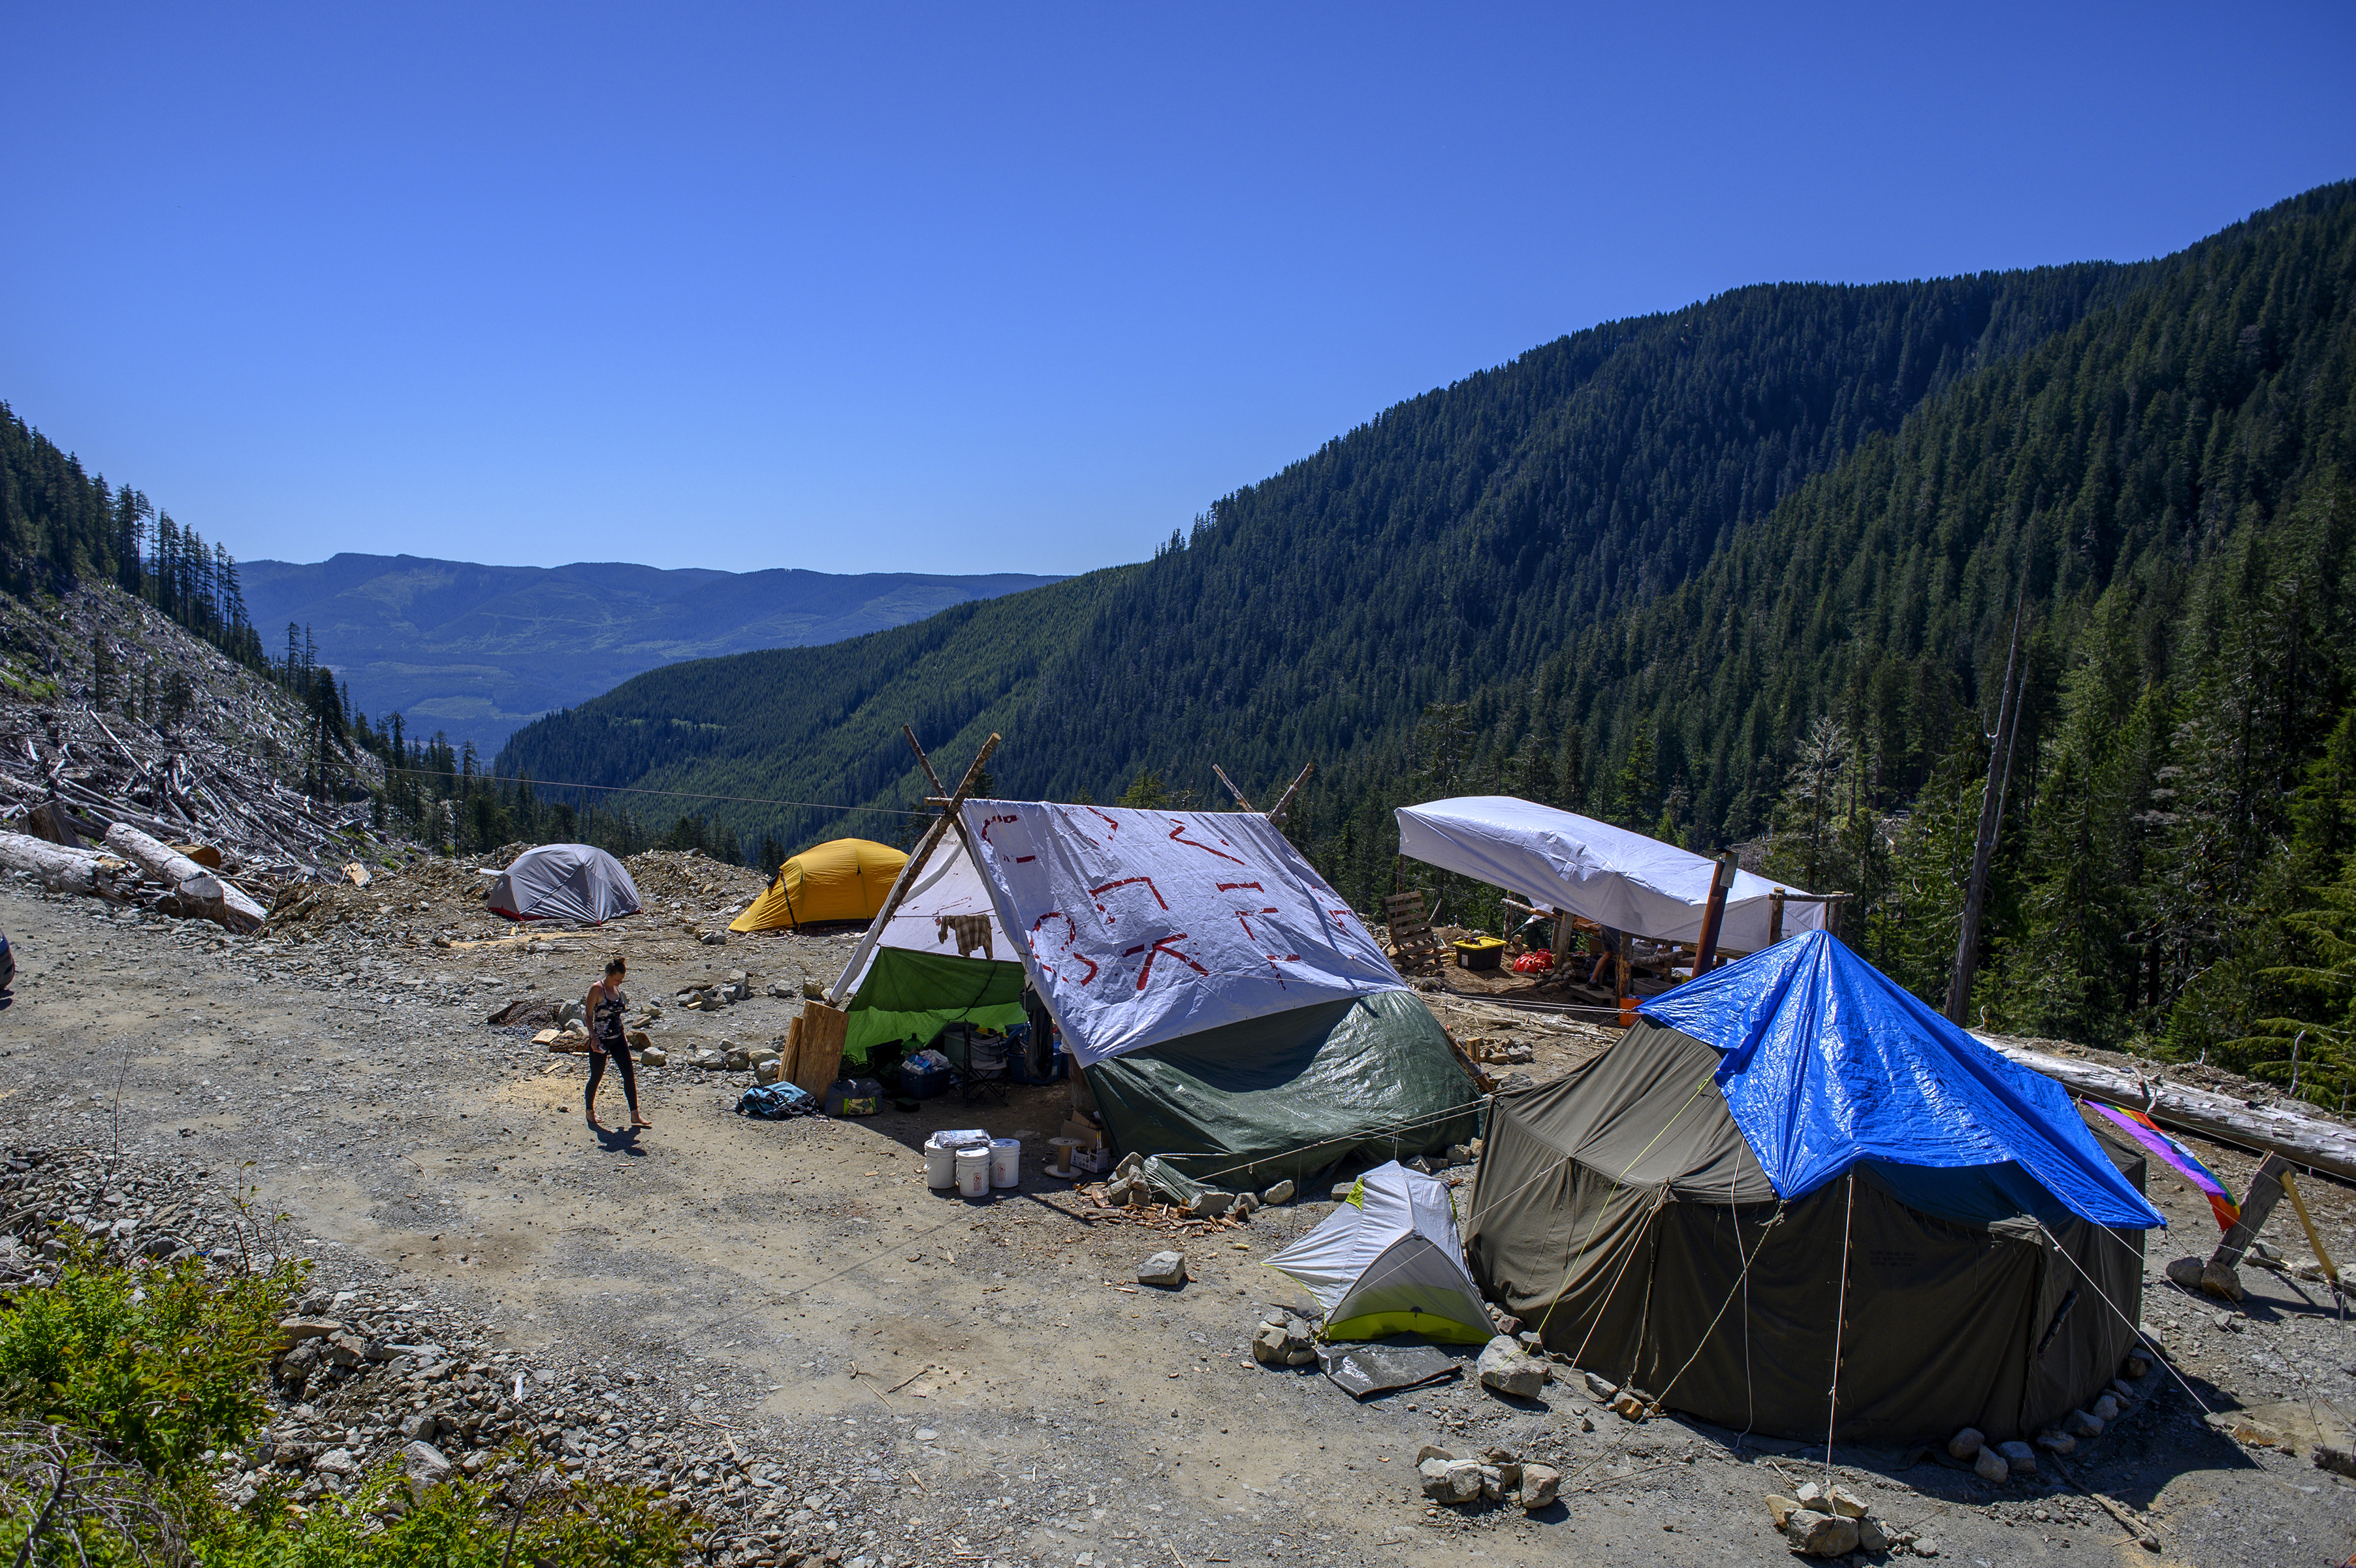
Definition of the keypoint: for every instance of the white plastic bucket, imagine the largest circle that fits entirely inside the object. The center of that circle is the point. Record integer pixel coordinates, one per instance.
(973, 1172)
(1005, 1162)
(940, 1166)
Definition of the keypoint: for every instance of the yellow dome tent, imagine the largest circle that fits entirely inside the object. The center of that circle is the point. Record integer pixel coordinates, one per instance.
(843, 879)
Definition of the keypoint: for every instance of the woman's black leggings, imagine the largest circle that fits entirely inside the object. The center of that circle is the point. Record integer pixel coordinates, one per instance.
(620, 1052)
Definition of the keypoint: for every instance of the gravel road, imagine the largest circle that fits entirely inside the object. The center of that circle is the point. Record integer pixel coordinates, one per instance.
(922, 1381)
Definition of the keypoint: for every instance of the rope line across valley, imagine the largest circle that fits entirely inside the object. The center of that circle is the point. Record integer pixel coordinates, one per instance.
(678, 794)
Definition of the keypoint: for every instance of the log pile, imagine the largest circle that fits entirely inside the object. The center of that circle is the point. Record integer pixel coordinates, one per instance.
(104, 792)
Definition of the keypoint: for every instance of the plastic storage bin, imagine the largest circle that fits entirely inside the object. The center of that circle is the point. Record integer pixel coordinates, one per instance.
(1480, 952)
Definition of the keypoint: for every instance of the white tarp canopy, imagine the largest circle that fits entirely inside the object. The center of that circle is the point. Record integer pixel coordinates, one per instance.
(1141, 926)
(1616, 878)
(947, 887)
(1389, 1261)
(565, 882)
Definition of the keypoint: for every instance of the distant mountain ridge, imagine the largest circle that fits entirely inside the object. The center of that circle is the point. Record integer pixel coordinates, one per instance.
(478, 650)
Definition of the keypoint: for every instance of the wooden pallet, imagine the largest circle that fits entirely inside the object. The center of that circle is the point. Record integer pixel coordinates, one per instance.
(1413, 944)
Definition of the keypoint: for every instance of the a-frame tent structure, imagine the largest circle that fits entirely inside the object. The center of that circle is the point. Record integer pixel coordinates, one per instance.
(1227, 1011)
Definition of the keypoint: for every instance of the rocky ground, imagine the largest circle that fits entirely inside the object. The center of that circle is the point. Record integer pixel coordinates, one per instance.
(779, 1322)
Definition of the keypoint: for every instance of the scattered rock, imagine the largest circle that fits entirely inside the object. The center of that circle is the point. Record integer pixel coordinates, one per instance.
(1285, 1342)
(1813, 1534)
(295, 1330)
(2105, 1409)
(1780, 1508)
(337, 1461)
(1871, 1537)
(2078, 1423)
(1210, 1203)
(713, 938)
(654, 1056)
(2056, 1441)
(1434, 1451)
(2018, 1457)
(1281, 1193)
(424, 1463)
(1992, 1466)
(1630, 1405)
(1505, 1366)
(767, 1070)
(1450, 1480)
(1966, 1443)
(1165, 1269)
(2136, 1366)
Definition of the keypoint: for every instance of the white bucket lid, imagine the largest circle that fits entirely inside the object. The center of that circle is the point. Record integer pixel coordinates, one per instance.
(977, 1153)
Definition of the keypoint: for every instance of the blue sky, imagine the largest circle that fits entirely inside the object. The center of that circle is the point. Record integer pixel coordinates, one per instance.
(997, 288)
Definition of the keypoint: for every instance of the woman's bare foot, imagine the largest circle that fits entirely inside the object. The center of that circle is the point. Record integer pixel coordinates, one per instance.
(594, 1123)
(638, 1122)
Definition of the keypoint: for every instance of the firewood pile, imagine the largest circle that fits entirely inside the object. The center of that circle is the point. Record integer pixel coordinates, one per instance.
(183, 802)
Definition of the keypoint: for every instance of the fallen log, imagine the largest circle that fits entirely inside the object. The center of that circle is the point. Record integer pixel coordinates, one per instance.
(65, 870)
(2312, 1141)
(199, 891)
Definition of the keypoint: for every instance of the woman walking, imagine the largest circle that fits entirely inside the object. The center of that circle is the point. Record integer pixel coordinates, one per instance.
(606, 1003)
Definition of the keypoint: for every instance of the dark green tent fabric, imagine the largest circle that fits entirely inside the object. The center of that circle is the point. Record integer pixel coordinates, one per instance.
(1293, 1093)
(909, 995)
(1613, 1211)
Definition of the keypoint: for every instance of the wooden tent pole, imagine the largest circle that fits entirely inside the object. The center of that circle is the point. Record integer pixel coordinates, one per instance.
(1713, 914)
(907, 877)
(1284, 802)
(1774, 916)
(926, 764)
(1230, 783)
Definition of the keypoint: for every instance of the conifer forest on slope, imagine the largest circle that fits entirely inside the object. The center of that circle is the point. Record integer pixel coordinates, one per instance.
(1747, 569)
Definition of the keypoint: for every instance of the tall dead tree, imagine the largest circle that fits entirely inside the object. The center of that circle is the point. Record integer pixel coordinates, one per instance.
(1999, 777)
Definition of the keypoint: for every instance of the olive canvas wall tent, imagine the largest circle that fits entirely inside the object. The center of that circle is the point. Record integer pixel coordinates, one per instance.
(1791, 1176)
(1228, 1012)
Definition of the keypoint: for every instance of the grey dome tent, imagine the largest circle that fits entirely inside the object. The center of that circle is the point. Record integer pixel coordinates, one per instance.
(1387, 1261)
(565, 882)
(1791, 1177)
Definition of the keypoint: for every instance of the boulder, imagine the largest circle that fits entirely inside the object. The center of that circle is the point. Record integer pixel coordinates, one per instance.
(1452, 1481)
(655, 1056)
(1434, 1451)
(1992, 1466)
(1281, 1193)
(1871, 1537)
(1165, 1269)
(2105, 1409)
(2056, 1441)
(424, 1463)
(2079, 1424)
(1846, 1503)
(1540, 1485)
(295, 1330)
(1210, 1203)
(1602, 1389)
(1505, 1366)
(766, 1071)
(1966, 1443)
(2018, 1457)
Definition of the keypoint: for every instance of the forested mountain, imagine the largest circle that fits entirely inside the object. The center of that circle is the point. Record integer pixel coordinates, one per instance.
(1747, 567)
(475, 651)
(60, 525)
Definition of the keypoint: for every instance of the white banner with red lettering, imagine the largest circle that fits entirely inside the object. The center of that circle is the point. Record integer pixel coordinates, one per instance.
(1142, 927)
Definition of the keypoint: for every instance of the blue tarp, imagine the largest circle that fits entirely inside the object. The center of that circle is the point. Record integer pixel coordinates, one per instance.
(1830, 1063)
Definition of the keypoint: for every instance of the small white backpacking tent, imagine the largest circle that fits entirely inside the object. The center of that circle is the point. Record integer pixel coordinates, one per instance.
(1617, 878)
(565, 882)
(1389, 1261)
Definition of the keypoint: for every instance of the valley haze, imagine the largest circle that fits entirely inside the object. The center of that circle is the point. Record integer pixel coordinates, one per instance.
(478, 650)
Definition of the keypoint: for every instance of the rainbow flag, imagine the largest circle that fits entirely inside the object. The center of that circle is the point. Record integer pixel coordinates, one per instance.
(2139, 1127)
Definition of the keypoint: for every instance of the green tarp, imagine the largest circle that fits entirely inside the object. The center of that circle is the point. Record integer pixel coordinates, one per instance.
(1289, 1094)
(907, 997)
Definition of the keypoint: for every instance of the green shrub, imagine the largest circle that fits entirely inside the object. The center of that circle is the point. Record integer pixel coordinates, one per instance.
(460, 1524)
(157, 1365)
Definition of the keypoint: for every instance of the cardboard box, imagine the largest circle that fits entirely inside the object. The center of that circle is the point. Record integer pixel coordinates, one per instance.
(1095, 1162)
(1085, 1135)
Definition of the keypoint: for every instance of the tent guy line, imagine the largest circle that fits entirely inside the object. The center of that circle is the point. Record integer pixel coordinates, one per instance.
(676, 794)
